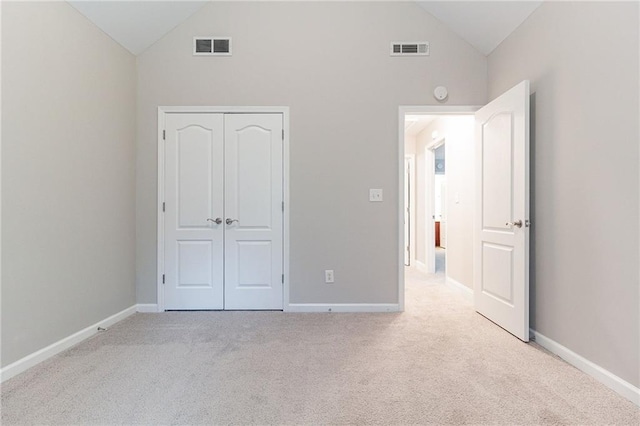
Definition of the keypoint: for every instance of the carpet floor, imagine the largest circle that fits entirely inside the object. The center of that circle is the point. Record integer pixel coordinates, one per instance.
(438, 362)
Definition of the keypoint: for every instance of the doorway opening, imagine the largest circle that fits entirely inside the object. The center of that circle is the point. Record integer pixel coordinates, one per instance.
(440, 208)
(437, 178)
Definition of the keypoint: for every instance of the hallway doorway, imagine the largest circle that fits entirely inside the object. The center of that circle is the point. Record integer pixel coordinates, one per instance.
(440, 229)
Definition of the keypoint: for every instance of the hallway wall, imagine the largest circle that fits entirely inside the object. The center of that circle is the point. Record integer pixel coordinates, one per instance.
(585, 283)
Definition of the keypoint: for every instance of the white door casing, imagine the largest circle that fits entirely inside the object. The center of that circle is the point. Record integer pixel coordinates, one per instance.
(443, 214)
(430, 203)
(193, 251)
(253, 201)
(407, 211)
(501, 228)
(206, 176)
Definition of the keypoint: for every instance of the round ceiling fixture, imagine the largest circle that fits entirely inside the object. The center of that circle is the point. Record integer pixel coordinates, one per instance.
(440, 93)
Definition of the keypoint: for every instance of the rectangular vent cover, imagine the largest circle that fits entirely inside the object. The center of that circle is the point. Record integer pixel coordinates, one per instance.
(415, 48)
(208, 46)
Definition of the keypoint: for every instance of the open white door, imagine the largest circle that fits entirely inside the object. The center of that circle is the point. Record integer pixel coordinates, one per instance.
(501, 240)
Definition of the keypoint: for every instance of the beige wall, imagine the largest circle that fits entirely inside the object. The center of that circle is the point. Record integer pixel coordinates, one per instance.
(458, 132)
(329, 62)
(582, 60)
(410, 145)
(68, 130)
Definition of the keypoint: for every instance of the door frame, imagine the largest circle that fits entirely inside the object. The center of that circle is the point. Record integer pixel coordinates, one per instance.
(162, 111)
(411, 159)
(429, 202)
(404, 110)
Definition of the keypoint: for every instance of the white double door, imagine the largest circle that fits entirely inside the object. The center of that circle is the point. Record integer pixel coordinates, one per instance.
(223, 214)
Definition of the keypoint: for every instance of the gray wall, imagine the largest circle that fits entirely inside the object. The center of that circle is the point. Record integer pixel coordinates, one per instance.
(68, 130)
(330, 63)
(582, 60)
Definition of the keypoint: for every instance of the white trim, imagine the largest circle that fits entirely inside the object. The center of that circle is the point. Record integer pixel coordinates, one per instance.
(411, 158)
(0, 171)
(160, 231)
(410, 110)
(605, 377)
(226, 109)
(342, 307)
(420, 266)
(429, 202)
(37, 357)
(162, 111)
(147, 307)
(286, 198)
(457, 286)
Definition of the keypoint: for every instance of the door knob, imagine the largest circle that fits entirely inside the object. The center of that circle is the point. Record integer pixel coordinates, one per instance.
(217, 220)
(516, 223)
(229, 221)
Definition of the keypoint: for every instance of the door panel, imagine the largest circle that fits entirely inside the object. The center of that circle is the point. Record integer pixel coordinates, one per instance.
(497, 272)
(193, 193)
(501, 247)
(497, 173)
(258, 255)
(253, 196)
(194, 178)
(250, 188)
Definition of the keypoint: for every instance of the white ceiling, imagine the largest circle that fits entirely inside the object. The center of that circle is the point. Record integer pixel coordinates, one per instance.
(414, 124)
(138, 24)
(483, 24)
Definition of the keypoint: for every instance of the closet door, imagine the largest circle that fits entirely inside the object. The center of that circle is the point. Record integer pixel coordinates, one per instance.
(194, 248)
(253, 211)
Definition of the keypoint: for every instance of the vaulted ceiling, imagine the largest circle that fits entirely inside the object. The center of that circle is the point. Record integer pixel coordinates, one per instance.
(483, 24)
(136, 25)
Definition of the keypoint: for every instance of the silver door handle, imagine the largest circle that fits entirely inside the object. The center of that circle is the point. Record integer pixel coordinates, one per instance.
(217, 220)
(516, 223)
(229, 221)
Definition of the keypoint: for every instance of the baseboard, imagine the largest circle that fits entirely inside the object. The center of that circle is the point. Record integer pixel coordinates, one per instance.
(465, 291)
(35, 358)
(422, 267)
(605, 377)
(147, 307)
(342, 307)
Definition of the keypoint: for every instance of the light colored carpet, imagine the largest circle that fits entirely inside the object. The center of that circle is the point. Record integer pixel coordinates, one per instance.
(437, 363)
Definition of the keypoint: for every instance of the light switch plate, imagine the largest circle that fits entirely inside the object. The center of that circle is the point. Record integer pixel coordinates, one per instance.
(375, 195)
(328, 276)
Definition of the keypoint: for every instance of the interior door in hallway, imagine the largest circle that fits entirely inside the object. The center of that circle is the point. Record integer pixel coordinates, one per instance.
(193, 204)
(253, 211)
(501, 242)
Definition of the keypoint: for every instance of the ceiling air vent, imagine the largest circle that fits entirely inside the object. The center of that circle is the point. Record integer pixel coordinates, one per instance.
(208, 46)
(416, 48)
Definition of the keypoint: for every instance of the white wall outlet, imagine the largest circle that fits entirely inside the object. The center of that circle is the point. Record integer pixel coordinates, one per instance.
(375, 195)
(328, 276)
